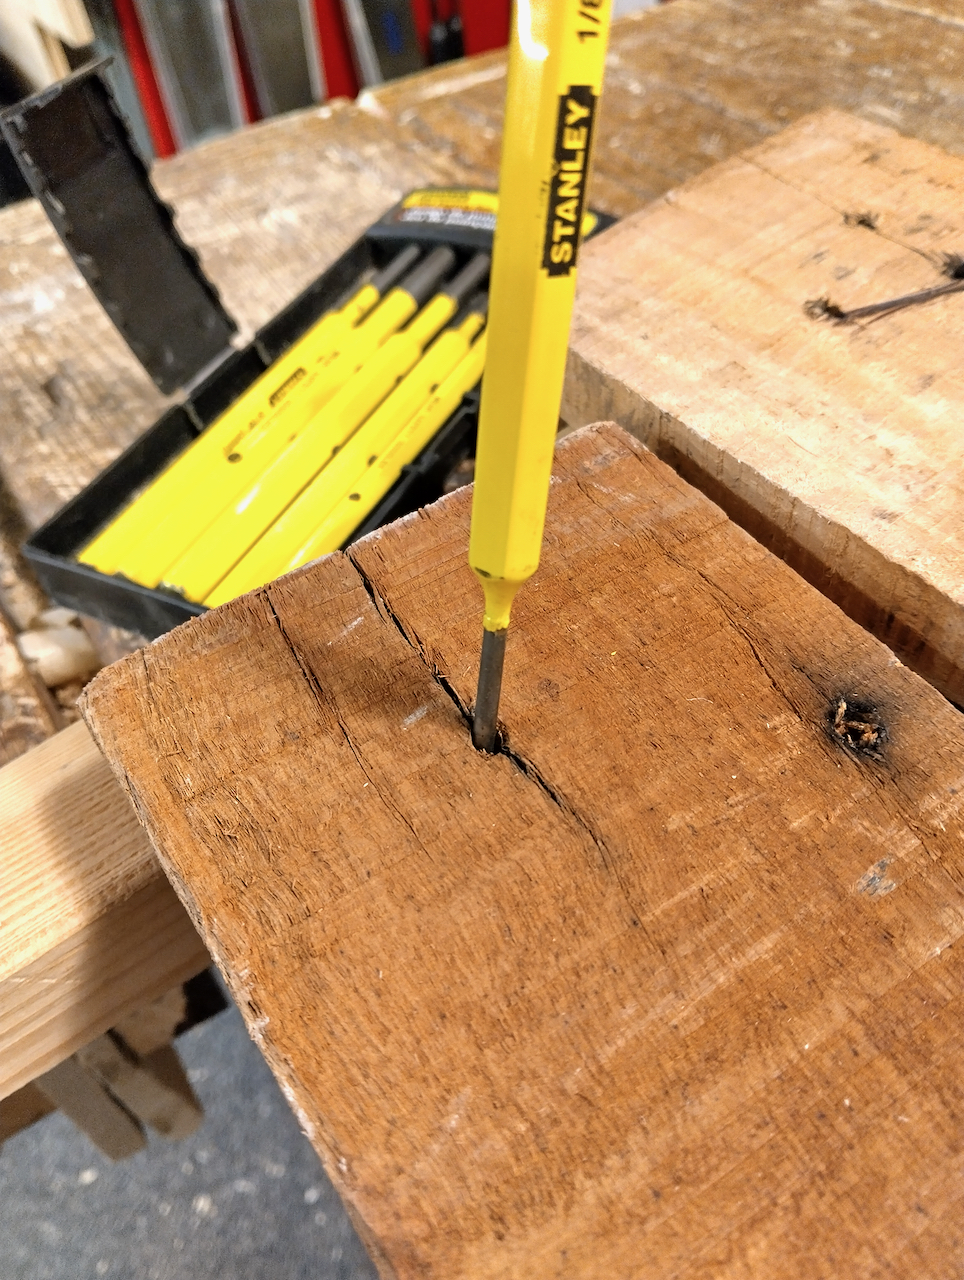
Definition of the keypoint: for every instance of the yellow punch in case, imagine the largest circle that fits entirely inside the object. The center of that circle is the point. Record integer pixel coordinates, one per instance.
(346, 410)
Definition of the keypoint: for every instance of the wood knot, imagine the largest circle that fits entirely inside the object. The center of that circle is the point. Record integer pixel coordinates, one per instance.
(857, 726)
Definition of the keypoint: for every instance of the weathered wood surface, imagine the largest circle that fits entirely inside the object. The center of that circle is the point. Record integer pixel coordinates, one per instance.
(673, 987)
(28, 713)
(837, 445)
(268, 208)
(690, 83)
(90, 929)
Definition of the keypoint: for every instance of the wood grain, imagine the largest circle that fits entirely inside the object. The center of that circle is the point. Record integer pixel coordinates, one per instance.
(693, 82)
(833, 444)
(671, 986)
(89, 927)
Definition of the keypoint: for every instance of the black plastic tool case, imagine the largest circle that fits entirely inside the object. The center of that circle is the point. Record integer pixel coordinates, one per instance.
(76, 154)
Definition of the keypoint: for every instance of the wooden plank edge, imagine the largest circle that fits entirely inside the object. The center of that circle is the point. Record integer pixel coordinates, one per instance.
(122, 960)
(591, 394)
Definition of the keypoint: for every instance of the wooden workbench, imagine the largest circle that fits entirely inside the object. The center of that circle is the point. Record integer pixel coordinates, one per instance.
(268, 208)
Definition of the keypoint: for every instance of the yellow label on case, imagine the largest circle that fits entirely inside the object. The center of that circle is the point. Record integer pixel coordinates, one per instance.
(463, 207)
(452, 198)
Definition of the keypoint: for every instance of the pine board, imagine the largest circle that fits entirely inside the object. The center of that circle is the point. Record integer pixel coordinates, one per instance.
(671, 987)
(836, 445)
(90, 929)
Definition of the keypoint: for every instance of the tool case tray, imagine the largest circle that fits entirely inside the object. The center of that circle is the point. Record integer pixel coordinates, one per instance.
(53, 548)
(76, 153)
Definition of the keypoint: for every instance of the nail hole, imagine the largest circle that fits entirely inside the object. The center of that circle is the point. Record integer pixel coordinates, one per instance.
(824, 309)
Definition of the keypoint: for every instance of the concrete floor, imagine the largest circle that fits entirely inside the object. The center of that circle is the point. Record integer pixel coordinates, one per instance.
(245, 1198)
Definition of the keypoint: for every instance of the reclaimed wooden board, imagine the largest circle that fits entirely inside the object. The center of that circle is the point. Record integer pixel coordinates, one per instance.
(90, 929)
(837, 445)
(671, 985)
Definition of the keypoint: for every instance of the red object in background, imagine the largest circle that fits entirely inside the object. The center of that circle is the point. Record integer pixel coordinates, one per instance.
(152, 104)
(422, 17)
(485, 24)
(336, 61)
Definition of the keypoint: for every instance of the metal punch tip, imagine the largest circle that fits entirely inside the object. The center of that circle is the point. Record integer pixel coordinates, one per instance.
(485, 718)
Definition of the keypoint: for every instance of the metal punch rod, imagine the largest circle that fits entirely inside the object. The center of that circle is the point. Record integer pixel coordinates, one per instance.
(484, 720)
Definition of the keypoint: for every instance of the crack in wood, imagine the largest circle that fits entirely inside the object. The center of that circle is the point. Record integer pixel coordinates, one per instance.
(386, 611)
(329, 705)
(526, 767)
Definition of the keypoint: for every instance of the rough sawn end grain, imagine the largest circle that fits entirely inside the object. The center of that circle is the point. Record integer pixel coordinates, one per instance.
(671, 989)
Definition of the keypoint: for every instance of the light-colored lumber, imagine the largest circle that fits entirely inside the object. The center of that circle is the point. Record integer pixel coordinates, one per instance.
(671, 987)
(28, 715)
(89, 926)
(167, 1069)
(837, 445)
(153, 1025)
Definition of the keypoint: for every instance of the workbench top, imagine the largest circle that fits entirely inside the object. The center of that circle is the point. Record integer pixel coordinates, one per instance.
(267, 208)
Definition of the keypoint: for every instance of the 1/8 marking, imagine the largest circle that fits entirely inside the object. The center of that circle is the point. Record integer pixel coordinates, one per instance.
(587, 16)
